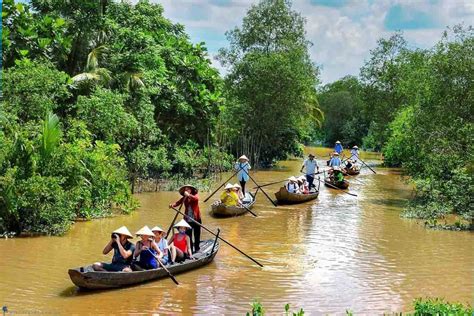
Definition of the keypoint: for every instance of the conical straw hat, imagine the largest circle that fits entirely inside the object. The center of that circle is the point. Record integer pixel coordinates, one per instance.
(355, 146)
(228, 186)
(182, 223)
(157, 229)
(292, 178)
(123, 231)
(145, 231)
(193, 188)
(338, 142)
(237, 186)
(243, 157)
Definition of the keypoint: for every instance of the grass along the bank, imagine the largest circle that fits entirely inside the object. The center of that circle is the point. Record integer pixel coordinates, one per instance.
(427, 306)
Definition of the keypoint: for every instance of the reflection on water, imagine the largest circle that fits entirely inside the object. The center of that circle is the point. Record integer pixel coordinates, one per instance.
(335, 253)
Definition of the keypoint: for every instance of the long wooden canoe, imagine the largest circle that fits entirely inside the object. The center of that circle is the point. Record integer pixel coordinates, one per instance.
(341, 185)
(87, 278)
(285, 197)
(221, 210)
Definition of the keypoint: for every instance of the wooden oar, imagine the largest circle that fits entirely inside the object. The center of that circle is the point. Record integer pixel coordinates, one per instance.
(174, 220)
(228, 243)
(273, 202)
(267, 184)
(222, 184)
(367, 166)
(164, 268)
(248, 210)
(333, 186)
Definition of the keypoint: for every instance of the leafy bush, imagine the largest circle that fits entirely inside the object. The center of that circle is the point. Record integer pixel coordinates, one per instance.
(436, 306)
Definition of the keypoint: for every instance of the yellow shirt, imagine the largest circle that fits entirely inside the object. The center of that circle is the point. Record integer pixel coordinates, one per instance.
(229, 198)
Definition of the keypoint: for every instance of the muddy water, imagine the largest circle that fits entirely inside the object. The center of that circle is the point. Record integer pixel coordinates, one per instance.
(336, 253)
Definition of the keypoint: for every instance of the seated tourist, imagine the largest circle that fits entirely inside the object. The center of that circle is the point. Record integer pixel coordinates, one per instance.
(180, 244)
(147, 249)
(292, 185)
(162, 243)
(238, 190)
(123, 252)
(229, 197)
(303, 184)
(338, 176)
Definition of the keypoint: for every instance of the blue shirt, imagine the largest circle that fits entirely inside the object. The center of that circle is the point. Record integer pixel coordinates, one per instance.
(338, 148)
(242, 175)
(335, 161)
(163, 246)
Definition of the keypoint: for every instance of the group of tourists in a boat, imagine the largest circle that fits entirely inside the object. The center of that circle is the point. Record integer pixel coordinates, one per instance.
(153, 245)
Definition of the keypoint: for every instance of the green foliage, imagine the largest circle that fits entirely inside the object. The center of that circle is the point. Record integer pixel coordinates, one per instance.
(436, 306)
(271, 79)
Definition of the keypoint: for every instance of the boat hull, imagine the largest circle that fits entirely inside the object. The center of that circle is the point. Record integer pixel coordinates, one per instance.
(94, 280)
(285, 197)
(220, 210)
(340, 185)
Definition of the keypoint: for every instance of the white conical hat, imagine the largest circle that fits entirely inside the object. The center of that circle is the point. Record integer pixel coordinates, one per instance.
(182, 223)
(243, 157)
(338, 142)
(145, 231)
(336, 153)
(292, 178)
(337, 168)
(355, 146)
(237, 186)
(228, 186)
(157, 229)
(123, 231)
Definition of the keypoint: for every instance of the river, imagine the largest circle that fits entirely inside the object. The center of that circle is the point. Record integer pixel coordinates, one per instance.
(336, 253)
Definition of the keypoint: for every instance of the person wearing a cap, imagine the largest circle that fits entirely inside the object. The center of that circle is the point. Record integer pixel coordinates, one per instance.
(190, 199)
(229, 197)
(243, 166)
(162, 243)
(310, 165)
(355, 153)
(180, 243)
(292, 185)
(123, 252)
(147, 249)
(338, 147)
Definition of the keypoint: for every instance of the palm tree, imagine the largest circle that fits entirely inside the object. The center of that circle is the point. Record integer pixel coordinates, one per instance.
(93, 73)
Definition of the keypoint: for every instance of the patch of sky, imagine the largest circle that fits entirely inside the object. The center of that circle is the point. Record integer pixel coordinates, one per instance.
(403, 18)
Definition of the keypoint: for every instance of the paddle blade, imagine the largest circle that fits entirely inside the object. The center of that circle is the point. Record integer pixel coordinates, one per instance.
(174, 279)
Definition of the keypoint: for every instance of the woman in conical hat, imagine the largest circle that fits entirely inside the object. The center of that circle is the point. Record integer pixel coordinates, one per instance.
(162, 243)
(238, 190)
(338, 147)
(243, 167)
(180, 243)
(147, 249)
(190, 199)
(123, 252)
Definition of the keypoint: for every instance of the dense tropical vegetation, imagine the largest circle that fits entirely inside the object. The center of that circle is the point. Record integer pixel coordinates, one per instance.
(417, 106)
(98, 95)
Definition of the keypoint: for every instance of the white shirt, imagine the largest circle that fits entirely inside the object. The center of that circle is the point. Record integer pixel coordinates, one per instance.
(292, 187)
(310, 166)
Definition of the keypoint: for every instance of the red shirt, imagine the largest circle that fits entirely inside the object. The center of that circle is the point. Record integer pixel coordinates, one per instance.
(193, 201)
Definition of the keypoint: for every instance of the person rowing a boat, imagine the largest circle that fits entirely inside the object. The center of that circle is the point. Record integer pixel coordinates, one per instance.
(229, 196)
(355, 153)
(243, 167)
(292, 185)
(190, 199)
(338, 147)
(123, 252)
(162, 244)
(147, 249)
(310, 165)
(180, 243)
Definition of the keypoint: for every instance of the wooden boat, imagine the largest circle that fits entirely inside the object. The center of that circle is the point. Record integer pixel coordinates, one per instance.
(221, 210)
(341, 185)
(285, 197)
(87, 278)
(351, 172)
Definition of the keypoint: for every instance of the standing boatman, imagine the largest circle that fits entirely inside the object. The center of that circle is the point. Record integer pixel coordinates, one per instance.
(310, 165)
(338, 148)
(355, 153)
(242, 165)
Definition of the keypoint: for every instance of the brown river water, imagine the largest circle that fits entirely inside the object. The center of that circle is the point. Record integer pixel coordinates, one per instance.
(335, 253)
